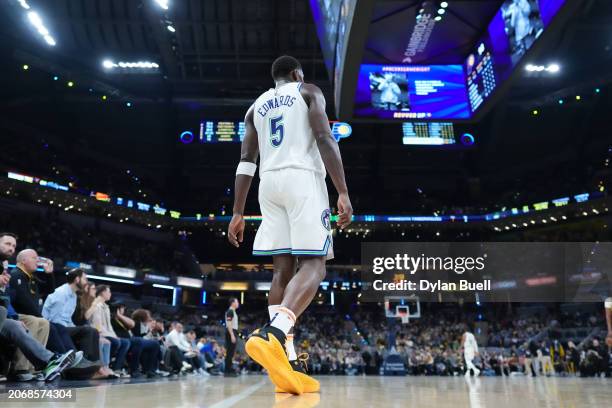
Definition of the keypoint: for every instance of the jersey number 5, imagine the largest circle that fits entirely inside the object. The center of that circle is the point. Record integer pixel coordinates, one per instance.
(277, 131)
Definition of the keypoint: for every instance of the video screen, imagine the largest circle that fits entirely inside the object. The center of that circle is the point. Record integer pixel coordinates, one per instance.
(480, 74)
(345, 20)
(428, 133)
(326, 14)
(389, 91)
(411, 92)
(523, 25)
(512, 32)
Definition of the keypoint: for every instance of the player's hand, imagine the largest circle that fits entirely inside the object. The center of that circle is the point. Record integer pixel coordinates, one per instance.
(235, 232)
(345, 211)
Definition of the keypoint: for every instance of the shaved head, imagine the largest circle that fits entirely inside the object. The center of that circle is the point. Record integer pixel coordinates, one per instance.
(27, 260)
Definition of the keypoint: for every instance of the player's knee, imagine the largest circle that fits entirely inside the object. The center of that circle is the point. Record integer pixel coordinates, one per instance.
(317, 265)
(282, 276)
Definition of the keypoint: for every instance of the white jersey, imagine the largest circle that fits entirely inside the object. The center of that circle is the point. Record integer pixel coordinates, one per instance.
(285, 136)
(470, 346)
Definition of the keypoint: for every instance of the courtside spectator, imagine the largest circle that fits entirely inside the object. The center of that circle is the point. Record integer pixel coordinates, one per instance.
(101, 321)
(142, 351)
(24, 298)
(59, 308)
(83, 310)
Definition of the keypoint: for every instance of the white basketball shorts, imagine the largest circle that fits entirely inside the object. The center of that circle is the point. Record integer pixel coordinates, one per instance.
(296, 217)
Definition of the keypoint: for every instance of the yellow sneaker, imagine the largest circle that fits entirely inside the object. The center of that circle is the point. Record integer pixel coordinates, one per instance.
(266, 348)
(300, 371)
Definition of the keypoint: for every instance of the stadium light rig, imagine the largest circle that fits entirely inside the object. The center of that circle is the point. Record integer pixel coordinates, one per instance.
(37, 22)
(551, 68)
(132, 66)
(163, 4)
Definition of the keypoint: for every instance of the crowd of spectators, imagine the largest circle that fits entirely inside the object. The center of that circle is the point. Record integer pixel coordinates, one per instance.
(78, 329)
(63, 241)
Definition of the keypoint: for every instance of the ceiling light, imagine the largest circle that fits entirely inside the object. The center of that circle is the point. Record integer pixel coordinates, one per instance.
(162, 3)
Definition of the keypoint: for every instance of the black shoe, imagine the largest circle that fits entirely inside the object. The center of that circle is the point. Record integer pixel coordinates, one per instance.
(267, 330)
(301, 364)
(136, 374)
(152, 374)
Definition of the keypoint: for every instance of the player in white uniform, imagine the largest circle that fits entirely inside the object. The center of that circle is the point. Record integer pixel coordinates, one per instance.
(288, 127)
(470, 350)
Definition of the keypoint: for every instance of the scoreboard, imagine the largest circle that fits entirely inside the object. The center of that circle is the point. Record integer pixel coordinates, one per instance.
(480, 76)
(214, 131)
(428, 133)
(221, 131)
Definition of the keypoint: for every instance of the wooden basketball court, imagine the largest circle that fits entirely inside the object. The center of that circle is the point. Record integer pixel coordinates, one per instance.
(255, 391)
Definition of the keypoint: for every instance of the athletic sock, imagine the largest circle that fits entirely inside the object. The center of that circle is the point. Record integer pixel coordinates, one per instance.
(284, 319)
(290, 349)
(272, 309)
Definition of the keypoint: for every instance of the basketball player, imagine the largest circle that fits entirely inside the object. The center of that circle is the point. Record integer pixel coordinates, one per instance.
(608, 307)
(470, 350)
(288, 126)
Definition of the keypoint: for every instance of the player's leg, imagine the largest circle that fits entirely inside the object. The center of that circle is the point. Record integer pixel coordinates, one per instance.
(304, 285)
(469, 363)
(267, 345)
(284, 269)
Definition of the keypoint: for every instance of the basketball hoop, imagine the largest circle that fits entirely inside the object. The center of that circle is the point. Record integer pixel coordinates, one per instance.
(403, 312)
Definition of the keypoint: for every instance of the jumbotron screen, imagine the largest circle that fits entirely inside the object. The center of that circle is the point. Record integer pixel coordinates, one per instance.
(512, 32)
(455, 92)
(411, 92)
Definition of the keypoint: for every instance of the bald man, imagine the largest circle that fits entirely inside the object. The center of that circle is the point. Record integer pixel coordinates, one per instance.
(23, 290)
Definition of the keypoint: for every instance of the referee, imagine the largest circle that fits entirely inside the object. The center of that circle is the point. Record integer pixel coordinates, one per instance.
(231, 336)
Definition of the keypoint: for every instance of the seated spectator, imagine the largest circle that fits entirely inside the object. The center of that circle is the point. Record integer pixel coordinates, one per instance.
(181, 349)
(142, 351)
(59, 307)
(101, 321)
(13, 331)
(24, 298)
(81, 316)
(191, 339)
(145, 328)
(83, 309)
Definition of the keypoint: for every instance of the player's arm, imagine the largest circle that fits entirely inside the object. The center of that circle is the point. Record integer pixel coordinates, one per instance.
(328, 148)
(244, 176)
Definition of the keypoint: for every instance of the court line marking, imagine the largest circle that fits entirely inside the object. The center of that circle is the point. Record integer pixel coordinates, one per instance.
(228, 402)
